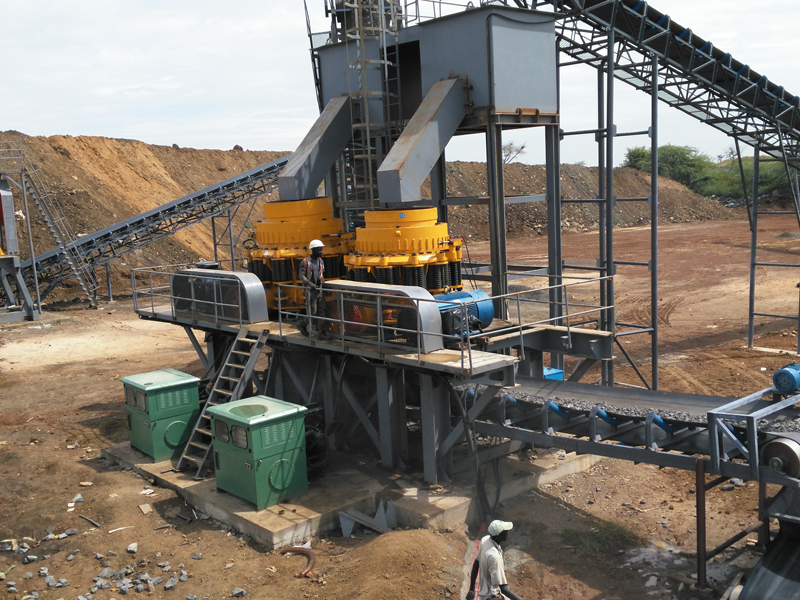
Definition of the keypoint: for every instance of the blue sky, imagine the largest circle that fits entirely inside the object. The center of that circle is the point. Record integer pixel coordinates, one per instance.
(210, 75)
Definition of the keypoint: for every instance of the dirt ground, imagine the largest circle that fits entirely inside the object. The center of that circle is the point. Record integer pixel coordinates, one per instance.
(61, 401)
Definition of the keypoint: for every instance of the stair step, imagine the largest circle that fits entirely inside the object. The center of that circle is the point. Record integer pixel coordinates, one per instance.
(194, 459)
(234, 365)
(204, 432)
(200, 445)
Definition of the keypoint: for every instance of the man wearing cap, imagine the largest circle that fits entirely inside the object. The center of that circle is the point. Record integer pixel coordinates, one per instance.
(491, 566)
(312, 274)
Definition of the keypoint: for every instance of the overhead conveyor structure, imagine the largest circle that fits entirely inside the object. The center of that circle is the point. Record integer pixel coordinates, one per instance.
(695, 76)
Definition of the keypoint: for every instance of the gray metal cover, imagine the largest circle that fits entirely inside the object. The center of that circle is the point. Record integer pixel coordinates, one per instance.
(250, 292)
(508, 55)
(10, 242)
(430, 318)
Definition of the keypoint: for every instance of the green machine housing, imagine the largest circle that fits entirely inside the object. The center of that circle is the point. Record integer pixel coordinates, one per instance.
(260, 449)
(163, 407)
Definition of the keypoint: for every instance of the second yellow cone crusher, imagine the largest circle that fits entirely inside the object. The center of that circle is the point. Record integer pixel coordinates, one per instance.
(405, 247)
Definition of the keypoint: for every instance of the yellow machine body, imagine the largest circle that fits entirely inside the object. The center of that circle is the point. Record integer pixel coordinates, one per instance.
(406, 247)
(281, 243)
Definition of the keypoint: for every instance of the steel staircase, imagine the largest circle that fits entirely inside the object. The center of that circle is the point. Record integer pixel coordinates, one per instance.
(17, 154)
(230, 385)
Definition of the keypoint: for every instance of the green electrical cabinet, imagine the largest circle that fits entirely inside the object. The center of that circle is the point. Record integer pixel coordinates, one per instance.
(163, 407)
(260, 449)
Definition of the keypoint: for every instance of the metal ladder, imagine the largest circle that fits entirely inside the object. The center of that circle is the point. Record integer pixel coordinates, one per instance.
(230, 384)
(56, 221)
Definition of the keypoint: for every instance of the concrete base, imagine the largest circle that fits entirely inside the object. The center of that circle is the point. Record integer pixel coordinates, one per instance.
(350, 484)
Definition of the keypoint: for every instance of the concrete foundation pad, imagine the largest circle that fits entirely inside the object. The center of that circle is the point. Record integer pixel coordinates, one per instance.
(352, 484)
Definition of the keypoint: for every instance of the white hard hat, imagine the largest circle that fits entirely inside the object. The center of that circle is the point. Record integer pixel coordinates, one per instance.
(315, 244)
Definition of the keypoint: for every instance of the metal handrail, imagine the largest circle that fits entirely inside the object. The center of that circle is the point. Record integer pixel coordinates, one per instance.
(380, 327)
(159, 286)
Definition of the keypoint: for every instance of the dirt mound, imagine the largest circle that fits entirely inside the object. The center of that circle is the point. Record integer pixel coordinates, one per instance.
(404, 564)
(676, 203)
(101, 181)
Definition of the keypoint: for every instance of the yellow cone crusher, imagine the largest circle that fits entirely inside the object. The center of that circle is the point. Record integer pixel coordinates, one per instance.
(405, 247)
(281, 242)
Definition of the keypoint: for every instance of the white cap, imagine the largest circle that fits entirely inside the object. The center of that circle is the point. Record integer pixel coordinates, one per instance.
(498, 527)
(315, 244)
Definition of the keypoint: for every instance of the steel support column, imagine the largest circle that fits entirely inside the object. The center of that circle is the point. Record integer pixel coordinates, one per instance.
(391, 417)
(600, 137)
(554, 258)
(610, 200)
(654, 223)
(30, 247)
(497, 217)
(328, 401)
(435, 417)
(753, 245)
(700, 493)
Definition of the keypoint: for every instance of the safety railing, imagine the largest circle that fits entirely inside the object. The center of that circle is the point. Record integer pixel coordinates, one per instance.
(163, 293)
(395, 323)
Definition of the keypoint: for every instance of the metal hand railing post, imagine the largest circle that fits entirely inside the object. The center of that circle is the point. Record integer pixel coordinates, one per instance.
(521, 354)
(341, 317)
(152, 301)
(379, 320)
(419, 332)
(280, 311)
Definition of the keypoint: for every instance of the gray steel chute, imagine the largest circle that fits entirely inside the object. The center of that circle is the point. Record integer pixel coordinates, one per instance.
(422, 142)
(318, 151)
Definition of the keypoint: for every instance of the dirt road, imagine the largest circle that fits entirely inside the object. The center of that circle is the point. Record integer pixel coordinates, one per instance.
(59, 385)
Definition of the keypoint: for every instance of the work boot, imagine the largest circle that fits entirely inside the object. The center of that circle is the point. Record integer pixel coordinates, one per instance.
(301, 326)
(323, 335)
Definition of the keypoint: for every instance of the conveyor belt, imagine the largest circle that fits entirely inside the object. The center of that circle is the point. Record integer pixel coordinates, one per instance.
(126, 236)
(660, 428)
(777, 574)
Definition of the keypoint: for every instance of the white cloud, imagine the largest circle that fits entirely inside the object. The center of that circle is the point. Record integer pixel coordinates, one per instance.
(209, 74)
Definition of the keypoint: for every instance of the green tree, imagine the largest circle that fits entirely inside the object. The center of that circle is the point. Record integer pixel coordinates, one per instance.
(681, 163)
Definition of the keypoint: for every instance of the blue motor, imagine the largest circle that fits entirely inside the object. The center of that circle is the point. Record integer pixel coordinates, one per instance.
(787, 379)
(480, 311)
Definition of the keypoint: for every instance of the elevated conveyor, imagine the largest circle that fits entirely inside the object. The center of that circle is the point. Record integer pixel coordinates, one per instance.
(695, 77)
(126, 236)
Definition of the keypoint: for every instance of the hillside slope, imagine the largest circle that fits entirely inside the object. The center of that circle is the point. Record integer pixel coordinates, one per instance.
(100, 181)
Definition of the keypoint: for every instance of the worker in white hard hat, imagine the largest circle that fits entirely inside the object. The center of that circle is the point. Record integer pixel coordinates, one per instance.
(312, 274)
(489, 563)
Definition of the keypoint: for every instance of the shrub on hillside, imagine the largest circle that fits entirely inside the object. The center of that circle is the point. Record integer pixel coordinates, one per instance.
(684, 164)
